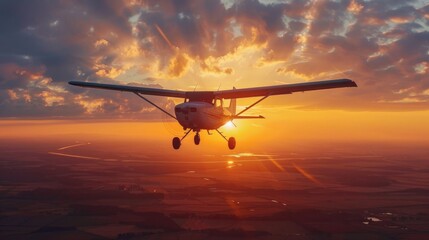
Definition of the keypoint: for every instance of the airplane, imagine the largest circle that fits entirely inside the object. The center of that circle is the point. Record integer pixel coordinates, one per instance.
(204, 110)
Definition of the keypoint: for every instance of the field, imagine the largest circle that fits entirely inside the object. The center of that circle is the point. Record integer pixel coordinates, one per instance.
(110, 189)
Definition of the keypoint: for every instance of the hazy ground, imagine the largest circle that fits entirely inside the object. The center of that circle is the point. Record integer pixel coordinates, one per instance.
(108, 189)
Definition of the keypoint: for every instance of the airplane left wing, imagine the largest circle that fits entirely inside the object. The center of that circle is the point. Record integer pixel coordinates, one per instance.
(125, 88)
(284, 89)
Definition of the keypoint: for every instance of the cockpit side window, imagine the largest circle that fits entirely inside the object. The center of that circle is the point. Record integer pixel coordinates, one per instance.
(218, 102)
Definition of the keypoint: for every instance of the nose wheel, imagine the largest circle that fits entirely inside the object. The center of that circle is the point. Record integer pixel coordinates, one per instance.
(197, 139)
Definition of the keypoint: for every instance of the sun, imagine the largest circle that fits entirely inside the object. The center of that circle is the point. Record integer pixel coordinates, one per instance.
(229, 125)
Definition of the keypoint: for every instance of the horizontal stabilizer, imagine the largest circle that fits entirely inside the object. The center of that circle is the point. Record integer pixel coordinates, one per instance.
(247, 117)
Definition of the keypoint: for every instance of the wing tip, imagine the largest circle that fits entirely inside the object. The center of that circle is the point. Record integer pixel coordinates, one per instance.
(74, 83)
(80, 83)
(350, 82)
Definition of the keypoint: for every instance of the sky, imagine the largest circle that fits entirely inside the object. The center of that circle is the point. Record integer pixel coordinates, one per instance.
(382, 45)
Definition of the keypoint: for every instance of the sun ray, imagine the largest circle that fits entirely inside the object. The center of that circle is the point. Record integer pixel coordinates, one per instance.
(306, 174)
(276, 163)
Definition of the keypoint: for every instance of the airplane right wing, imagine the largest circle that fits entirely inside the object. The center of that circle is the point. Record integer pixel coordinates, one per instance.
(284, 89)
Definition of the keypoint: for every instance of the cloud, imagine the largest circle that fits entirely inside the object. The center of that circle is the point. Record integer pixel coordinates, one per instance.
(380, 55)
(178, 65)
(380, 44)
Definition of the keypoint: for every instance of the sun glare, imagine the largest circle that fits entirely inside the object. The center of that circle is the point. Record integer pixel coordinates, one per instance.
(230, 164)
(229, 125)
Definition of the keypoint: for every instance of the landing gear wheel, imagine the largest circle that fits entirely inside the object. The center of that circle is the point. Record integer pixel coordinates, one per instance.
(176, 143)
(231, 143)
(197, 139)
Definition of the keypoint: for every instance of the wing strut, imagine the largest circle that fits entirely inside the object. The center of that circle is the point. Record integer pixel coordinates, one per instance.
(153, 104)
(249, 107)
(222, 135)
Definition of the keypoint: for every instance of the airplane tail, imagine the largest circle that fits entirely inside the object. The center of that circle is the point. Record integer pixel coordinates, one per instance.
(232, 105)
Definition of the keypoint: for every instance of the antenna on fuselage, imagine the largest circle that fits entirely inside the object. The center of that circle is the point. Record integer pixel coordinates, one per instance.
(196, 85)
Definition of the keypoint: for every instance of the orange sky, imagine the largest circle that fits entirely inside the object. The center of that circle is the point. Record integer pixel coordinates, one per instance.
(210, 45)
(282, 128)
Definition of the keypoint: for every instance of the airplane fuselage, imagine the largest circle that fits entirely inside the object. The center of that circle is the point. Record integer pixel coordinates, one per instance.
(201, 115)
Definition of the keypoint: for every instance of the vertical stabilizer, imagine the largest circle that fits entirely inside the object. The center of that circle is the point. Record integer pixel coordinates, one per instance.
(232, 105)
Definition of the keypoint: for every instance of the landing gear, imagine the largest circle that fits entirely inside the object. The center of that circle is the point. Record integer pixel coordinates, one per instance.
(231, 143)
(197, 139)
(231, 140)
(176, 143)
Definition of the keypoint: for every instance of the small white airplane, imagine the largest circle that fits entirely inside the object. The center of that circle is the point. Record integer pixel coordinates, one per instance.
(203, 110)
